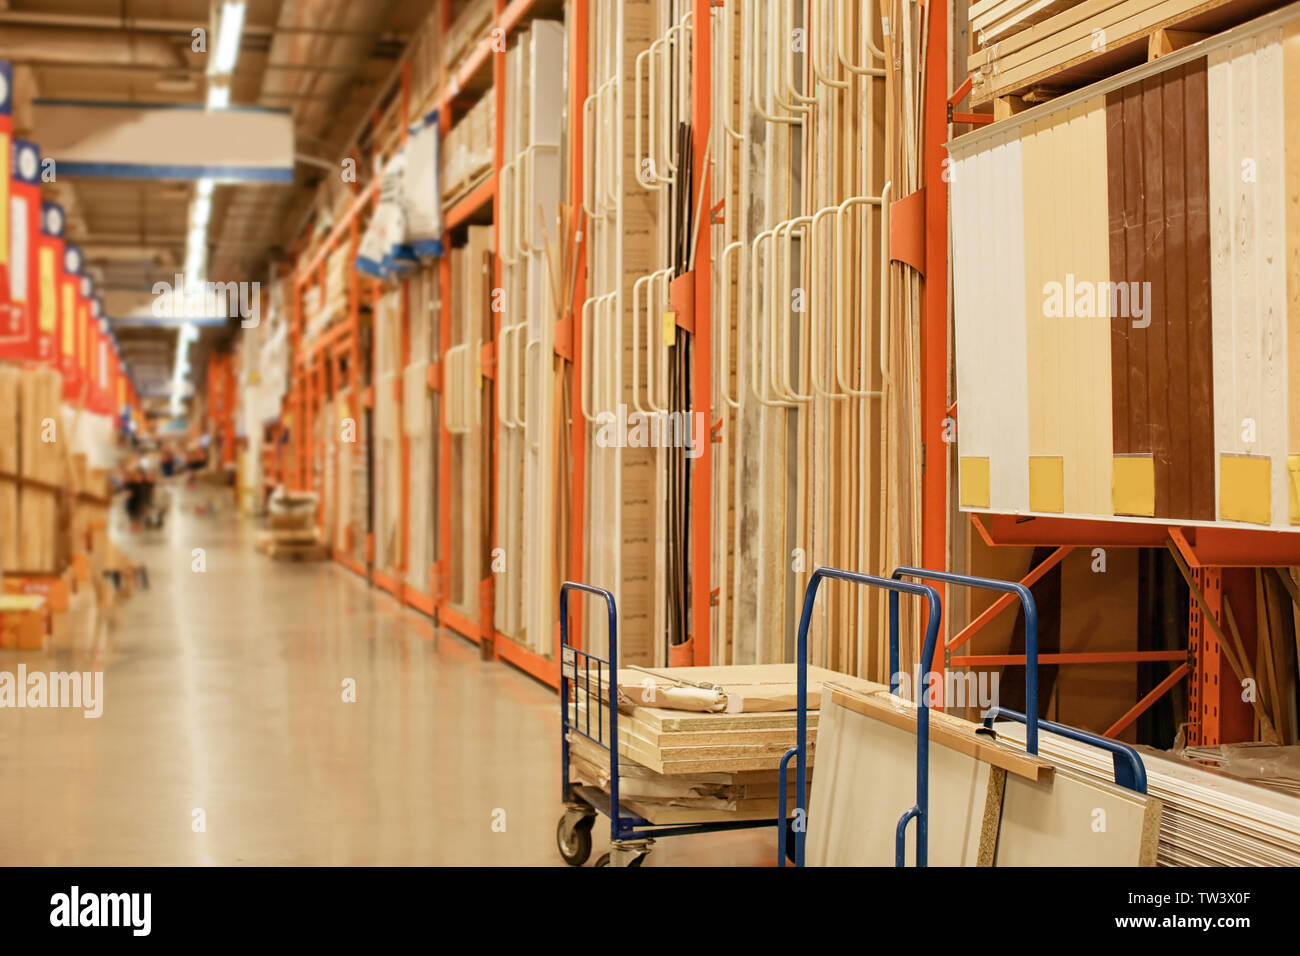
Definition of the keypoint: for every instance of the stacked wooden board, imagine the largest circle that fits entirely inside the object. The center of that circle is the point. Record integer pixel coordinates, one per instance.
(1209, 818)
(35, 519)
(994, 19)
(1085, 41)
(468, 417)
(1122, 367)
(710, 762)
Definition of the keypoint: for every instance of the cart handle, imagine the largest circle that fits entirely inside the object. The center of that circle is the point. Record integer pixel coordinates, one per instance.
(1031, 636)
(1130, 772)
(895, 587)
(612, 609)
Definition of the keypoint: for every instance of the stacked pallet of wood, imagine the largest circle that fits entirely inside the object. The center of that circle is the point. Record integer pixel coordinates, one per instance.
(425, 55)
(1085, 41)
(470, 26)
(35, 518)
(993, 19)
(1209, 818)
(467, 149)
(676, 763)
(292, 535)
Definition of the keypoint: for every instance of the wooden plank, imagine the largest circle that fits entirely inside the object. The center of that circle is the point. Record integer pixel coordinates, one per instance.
(1291, 150)
(945, 730)
(1073, 54)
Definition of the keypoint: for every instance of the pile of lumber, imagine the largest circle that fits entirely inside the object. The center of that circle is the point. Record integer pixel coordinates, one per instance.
(291, 545)
(470, 26)
(34, 513)
(696, 765)
(1081, 42)
(292, 534)
(993, 19)
(467, 150)
(1209, 818)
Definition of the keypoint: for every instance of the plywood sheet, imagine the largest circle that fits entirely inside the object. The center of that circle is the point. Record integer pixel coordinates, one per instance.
(1069, 820)
(866, 780)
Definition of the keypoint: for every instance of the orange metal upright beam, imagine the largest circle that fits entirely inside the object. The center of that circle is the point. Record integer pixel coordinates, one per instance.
(578, 78)
(440, 573)
(701, 355)
(934, 324)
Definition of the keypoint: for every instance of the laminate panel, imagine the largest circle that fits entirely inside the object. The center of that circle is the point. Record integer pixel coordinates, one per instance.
(1247, 196)
(1067, 330)
(866, 780)
(989, 308)
(1291, 148)
(1160, 286)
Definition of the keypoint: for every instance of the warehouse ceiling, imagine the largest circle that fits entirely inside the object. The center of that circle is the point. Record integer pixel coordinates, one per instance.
(328, 61)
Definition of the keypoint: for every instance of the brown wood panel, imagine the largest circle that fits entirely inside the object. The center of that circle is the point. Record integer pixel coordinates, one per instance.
(1162, 376)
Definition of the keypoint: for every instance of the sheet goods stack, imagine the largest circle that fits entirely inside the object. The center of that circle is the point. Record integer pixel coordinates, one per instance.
(470, 26)
(468, 417)
(35, 508)
(819, 458)
(292, 534)
(625, 319)
(1059, 335)
(990, 803)
(467, 149)
(1210, 818)
(387, 444)
(419, 415)
(1026, 57)
(528, 397)
(706, 739)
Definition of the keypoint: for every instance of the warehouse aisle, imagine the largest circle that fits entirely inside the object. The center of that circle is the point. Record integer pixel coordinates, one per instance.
(223, 693)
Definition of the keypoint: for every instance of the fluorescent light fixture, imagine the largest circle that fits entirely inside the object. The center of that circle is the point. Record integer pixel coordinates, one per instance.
(200, 212)
(205, 187)
(218, 96)
(228, 34)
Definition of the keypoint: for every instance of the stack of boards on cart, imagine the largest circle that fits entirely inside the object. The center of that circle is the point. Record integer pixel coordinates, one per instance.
(1210, 818)
(689, 754)
(990, 803)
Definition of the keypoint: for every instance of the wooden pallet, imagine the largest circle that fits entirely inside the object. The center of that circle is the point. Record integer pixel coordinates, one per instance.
(1093, 40)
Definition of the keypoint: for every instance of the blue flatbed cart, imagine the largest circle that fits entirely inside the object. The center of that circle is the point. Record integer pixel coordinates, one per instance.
(1129, 770)
(586, 681)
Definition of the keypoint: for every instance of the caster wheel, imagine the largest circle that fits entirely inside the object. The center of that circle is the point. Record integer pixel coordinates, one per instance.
(575, 844)
(603, 860)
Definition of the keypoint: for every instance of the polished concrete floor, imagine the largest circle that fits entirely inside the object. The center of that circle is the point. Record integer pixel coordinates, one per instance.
(223, 693)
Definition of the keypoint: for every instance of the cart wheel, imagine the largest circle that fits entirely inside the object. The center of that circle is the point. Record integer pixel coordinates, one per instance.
(603, 860)
(575, 844)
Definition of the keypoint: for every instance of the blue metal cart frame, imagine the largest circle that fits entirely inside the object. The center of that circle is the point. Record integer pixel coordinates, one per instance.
(919, 810)
(630, 835)
(1129, 770)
